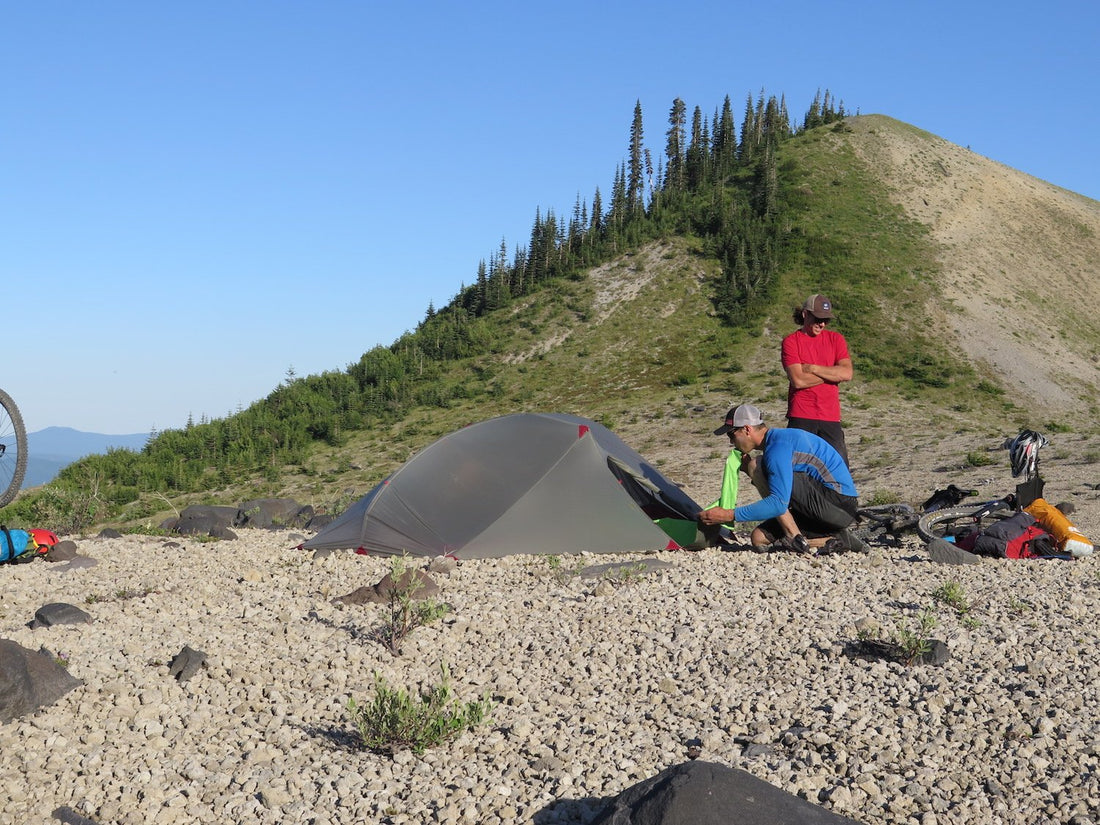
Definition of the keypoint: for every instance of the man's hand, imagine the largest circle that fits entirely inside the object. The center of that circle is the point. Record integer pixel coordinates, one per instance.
(716, 515)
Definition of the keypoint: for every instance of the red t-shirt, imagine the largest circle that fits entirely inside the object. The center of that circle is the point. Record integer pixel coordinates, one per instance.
(827, 349)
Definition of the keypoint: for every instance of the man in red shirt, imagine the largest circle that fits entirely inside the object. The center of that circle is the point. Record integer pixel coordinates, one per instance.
(816, 360)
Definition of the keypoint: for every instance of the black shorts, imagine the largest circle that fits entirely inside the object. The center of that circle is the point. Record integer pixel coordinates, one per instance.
(818, 510)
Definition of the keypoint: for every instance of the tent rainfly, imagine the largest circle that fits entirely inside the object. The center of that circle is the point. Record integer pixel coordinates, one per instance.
(524, 483)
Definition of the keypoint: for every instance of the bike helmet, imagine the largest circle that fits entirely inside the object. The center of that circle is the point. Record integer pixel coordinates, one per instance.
(1023, 452)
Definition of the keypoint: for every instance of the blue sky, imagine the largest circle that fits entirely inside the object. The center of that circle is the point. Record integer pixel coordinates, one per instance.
(196, 198)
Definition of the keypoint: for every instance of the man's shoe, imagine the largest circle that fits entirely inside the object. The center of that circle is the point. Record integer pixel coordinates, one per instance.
(844, 542)
(797, 544)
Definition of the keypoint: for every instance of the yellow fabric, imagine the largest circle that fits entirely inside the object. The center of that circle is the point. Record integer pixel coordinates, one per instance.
(1070, 539)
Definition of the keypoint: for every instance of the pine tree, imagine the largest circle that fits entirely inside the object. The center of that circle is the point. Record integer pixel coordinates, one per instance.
(725, 142)
(675, 147)
(635, 184)
(697, 151)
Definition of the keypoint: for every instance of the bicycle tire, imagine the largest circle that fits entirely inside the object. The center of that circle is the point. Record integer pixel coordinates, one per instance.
(940, 523)
(13, 449)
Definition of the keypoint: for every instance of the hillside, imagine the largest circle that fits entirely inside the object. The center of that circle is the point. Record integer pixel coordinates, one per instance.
(932, 254)
(1020, 257)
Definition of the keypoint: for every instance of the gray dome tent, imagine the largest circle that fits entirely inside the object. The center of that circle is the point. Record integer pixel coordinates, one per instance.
(524, 483)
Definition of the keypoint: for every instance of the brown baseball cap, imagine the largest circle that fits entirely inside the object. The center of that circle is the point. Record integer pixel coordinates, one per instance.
(819, 306)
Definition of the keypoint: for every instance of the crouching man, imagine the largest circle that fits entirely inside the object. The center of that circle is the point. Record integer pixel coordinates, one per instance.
(809, 498)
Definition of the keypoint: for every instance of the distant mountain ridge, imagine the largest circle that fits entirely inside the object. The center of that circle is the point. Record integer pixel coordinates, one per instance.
(51, 450)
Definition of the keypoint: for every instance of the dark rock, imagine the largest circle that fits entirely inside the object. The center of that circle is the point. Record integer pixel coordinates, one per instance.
(380, 593)
(70, 817)
(936, 655)
(57, 613)
(320, 520)
(268, 513)
(186, 663)
(944, 552)
(705, 793)
(29, 680)
(62, 551)
(109, 533)
(77, 563)
(204, 519)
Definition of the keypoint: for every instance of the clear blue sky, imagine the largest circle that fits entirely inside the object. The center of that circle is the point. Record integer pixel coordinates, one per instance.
(197, 197)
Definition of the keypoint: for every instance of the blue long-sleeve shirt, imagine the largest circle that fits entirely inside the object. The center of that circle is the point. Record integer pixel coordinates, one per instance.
(789, 451)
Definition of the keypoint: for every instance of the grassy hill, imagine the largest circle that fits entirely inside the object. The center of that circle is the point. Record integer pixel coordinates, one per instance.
(964, 289)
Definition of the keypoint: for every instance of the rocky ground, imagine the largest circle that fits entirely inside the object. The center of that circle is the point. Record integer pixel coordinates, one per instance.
(598, 680)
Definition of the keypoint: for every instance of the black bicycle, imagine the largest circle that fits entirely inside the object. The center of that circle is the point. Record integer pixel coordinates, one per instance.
(953, 522)
(13, 449)
(884, 523)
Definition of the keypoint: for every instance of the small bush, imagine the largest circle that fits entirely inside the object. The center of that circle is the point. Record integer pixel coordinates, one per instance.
(952, 594)
(916, 643)
(406, 614)
(978, 459)
(395, 721)
(880, 497)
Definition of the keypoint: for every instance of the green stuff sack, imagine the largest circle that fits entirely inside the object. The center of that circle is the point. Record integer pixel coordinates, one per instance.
(14, 543)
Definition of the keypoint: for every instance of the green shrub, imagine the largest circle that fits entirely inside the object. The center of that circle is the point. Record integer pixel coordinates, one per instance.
(395, 720)
(951, 593)
(978, 459)
(880, 497)
(406, 614)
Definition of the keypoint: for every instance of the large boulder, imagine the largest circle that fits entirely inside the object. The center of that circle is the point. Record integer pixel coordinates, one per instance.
(29, 680)
(705, 793)
(418, 584)
(269, 513)
(205, 520)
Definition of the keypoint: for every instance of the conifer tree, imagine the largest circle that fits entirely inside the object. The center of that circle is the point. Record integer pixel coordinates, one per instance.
(675, 147)
(725, 142)
(635, 185)
(696, 154)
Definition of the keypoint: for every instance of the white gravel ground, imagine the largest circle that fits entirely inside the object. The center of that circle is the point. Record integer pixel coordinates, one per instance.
(598, 683)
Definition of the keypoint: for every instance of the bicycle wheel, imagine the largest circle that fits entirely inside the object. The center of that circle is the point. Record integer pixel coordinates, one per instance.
(13, 449)
(951, 522)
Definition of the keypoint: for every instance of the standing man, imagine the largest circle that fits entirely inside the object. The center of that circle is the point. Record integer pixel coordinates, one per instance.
(816, 360)
(810, 496)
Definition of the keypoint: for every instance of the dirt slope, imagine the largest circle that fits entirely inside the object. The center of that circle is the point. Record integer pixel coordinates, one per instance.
(1021, 259)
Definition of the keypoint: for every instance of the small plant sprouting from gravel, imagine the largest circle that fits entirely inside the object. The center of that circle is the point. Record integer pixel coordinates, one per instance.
(120, 595)
(906, 646)
(1016, 607)
(559, 571)
(405, 612)
(396, 721)
(951, 593)
(626, 574)
(916, 643)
